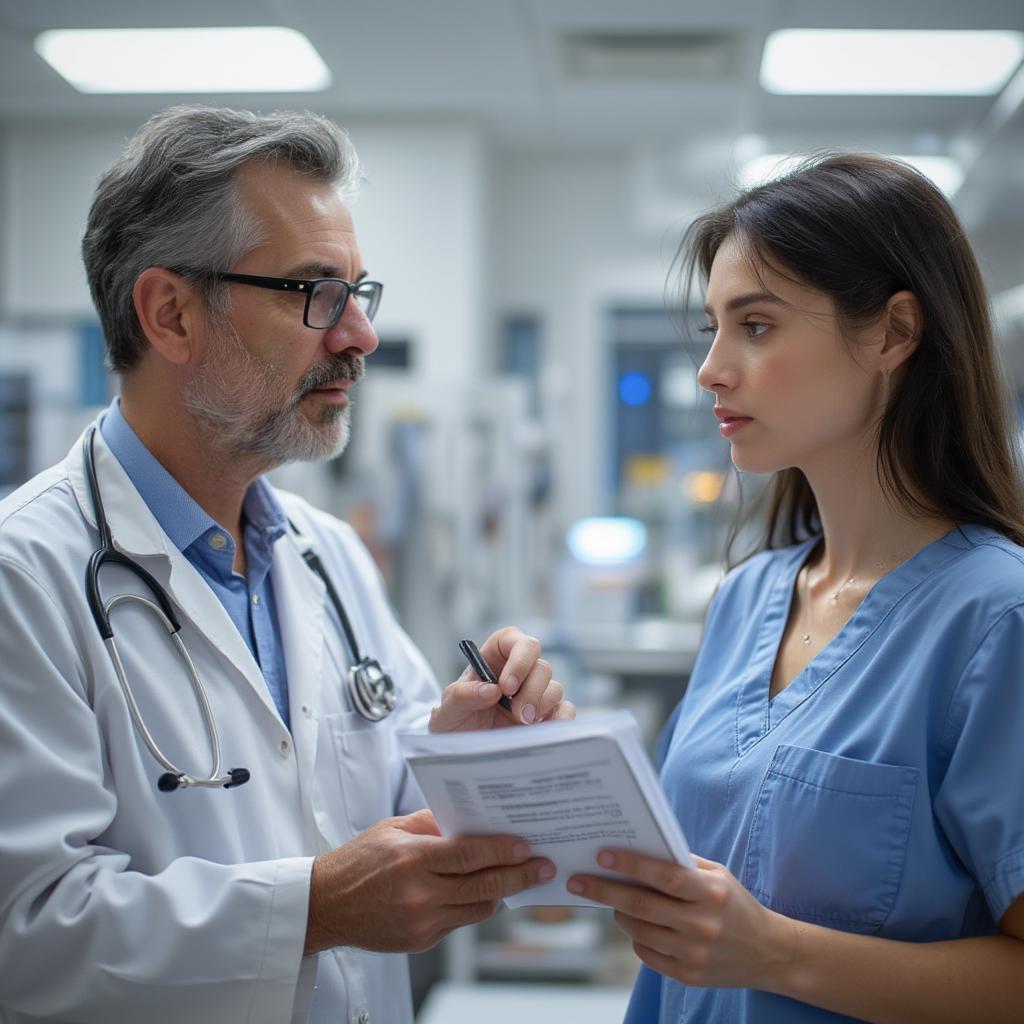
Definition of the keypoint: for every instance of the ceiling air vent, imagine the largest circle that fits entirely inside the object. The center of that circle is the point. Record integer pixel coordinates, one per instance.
(671, 56)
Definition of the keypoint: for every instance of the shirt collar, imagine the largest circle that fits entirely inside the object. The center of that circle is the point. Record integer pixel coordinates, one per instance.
(179, 515)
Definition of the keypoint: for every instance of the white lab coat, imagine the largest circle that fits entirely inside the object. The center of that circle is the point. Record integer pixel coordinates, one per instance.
(119, 903)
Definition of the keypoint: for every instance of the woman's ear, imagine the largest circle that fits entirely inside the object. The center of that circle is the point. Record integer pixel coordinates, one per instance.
(902, 325)
(167, 306)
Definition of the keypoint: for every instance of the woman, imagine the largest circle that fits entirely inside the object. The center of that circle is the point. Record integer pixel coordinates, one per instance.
(851, 744)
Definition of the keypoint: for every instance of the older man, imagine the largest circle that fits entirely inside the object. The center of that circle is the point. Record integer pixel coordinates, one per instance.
(140, 880)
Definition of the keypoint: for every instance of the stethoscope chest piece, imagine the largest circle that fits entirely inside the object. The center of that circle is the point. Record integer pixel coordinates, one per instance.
(371, 689)
(373, 692)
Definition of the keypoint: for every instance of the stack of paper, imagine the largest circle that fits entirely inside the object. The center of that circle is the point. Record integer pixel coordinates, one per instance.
(569, 788)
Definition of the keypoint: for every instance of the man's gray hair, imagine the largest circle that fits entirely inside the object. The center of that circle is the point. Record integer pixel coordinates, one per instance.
(171, 201)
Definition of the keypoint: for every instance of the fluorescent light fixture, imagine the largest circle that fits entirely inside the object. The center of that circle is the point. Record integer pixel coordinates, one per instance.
(187, 60)
(857, 62)
(946, 173)
(607, 540)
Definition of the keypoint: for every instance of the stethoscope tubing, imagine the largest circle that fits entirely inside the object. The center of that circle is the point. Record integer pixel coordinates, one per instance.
(162, 608)
(214, 777)
(372, 690)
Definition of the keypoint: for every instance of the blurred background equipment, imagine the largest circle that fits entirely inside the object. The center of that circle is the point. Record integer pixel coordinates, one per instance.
(529, 444)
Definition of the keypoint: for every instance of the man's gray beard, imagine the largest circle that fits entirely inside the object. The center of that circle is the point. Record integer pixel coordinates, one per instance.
(228, 392)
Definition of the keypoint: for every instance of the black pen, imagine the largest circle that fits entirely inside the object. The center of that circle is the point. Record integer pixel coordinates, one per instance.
(481, 668)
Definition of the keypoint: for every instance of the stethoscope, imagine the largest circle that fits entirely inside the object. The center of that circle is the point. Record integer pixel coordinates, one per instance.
(371, 688)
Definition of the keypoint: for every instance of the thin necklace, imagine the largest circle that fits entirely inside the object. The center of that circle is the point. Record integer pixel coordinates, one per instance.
(833, 600)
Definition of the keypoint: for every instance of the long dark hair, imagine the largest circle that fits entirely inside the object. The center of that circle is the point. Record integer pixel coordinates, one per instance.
(861, 228)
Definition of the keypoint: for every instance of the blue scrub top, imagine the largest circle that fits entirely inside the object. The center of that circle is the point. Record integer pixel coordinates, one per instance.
(882, 791)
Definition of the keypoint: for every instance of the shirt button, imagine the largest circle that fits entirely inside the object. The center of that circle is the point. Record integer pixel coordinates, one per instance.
(218, 541)
(364, 1018)
(256, 600)
(285, 747)
(307, 710)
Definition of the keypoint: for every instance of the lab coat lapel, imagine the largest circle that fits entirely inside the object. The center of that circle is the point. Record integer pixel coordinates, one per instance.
(136, 533)
(300, 596)
(200, 605)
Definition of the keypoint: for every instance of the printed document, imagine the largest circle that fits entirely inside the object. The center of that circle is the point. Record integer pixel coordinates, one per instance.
(569, 788)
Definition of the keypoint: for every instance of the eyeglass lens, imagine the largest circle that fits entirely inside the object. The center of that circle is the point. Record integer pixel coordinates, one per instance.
(327, 302)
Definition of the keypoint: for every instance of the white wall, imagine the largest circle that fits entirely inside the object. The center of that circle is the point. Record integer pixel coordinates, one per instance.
(420, 219)
(49, 173)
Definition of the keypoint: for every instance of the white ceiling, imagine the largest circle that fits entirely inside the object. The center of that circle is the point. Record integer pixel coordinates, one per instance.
(503, 64)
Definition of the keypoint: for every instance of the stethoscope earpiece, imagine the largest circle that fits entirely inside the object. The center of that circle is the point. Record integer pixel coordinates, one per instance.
(168, 782)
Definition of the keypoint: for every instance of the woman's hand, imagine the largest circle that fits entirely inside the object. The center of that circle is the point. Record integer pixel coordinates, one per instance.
(697, 925)
(523, 675)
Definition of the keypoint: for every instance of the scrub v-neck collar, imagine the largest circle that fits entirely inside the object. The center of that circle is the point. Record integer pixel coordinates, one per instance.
(756, 714)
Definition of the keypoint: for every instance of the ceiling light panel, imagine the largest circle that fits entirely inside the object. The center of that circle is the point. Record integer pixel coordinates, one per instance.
(184, 60)
(855, 62)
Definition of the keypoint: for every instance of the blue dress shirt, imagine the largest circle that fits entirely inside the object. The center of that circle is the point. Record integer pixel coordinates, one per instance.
(249, 600)
(881, 791)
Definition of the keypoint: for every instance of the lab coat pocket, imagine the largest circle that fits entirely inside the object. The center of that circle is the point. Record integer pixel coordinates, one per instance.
(828, 838)
(366, 755)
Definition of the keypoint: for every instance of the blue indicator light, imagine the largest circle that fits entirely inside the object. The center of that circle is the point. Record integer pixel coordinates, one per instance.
(634, 388)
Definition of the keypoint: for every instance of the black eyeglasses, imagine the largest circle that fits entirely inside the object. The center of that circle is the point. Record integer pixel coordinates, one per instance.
(325, 296)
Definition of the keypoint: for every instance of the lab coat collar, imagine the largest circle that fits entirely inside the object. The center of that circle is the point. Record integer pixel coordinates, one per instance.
(134, 528)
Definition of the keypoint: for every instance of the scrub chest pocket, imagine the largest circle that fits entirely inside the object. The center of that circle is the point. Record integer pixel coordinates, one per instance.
(828, 838)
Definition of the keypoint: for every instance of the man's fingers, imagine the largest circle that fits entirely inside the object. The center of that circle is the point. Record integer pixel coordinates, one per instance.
(469, 695)
(473, 913)
(512, 655)
(564, 711)
(549, 700)
(464, 855)
(497, 883)
(461, 702)
(527, 704)
(420, 823)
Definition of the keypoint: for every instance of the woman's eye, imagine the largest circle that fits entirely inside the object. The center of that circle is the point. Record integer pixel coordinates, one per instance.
(753, 329)
(708, 329)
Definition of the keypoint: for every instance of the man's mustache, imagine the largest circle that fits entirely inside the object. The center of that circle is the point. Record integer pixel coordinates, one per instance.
(339, 369)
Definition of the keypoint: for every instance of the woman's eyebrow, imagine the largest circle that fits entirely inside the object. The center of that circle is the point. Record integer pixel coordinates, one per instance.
(746, 300)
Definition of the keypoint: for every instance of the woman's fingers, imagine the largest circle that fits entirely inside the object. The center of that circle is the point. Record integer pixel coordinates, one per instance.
(632, 900)
(703, 882)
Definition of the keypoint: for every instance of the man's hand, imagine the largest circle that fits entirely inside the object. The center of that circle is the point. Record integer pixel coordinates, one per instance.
(400, 886)
(523, 676)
